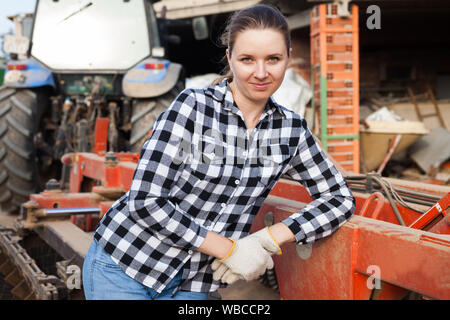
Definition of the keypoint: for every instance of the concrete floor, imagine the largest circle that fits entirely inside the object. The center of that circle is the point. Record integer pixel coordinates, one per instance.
(6, 220)
(252, 290)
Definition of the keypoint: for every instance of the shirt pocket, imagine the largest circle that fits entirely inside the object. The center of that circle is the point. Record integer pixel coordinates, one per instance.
(272, 162)
(208, 163)
(207, 171)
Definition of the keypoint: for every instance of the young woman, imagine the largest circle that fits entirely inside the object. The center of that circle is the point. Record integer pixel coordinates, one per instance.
(181, 231)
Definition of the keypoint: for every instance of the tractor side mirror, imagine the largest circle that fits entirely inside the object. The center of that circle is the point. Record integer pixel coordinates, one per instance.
(200, 28)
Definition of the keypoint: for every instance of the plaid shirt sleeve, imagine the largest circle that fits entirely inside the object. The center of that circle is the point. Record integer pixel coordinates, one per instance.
(333, 203)
(156, 172)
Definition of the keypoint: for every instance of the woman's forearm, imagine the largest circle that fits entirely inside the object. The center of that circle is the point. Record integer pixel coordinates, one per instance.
(219, 246)
(216, 245)
(281, 233)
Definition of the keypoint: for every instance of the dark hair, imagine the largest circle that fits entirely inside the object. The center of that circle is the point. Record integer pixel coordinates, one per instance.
(257, 17)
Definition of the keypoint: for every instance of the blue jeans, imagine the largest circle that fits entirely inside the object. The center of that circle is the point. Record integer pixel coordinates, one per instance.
(103, 279)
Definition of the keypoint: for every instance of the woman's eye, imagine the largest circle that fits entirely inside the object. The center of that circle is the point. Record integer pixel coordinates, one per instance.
(274, 59)
(246, 59)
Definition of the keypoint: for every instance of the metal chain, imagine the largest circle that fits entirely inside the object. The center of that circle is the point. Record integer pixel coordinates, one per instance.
(43, 287)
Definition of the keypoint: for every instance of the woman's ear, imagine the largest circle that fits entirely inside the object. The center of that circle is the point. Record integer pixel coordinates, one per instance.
(228, 55)
(289, 58)
(229, 60)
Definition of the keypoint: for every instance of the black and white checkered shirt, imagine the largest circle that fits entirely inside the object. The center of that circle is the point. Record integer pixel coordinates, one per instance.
(203, 170)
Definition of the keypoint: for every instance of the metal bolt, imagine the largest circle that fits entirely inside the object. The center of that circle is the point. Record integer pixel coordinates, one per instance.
(52, 184)
(110, 156)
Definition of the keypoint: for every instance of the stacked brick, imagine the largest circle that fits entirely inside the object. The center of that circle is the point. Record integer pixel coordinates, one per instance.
(335, 80)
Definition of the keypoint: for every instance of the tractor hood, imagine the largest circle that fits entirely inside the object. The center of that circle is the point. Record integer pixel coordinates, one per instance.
(92, 35)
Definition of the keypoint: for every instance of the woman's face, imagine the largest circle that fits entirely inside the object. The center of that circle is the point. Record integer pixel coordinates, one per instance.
(258, 61)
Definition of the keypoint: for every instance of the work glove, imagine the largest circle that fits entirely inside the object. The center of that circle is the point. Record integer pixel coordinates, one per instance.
(248, 259)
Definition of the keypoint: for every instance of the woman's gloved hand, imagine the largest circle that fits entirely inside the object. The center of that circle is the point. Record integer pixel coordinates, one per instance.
(249, 258)
(223, 273)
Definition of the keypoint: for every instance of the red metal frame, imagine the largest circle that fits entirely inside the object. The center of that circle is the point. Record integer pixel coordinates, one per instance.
(109, 176)
(377, 210)
(101, 135)
(438, 210)
(339, 266)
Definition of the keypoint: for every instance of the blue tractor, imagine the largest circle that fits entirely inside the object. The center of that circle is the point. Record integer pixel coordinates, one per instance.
(84, 60)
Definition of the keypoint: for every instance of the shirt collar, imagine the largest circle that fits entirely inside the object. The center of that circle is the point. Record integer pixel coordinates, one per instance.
(222, 93)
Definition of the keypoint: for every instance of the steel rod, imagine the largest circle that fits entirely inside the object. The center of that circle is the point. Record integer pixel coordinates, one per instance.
(58, 212)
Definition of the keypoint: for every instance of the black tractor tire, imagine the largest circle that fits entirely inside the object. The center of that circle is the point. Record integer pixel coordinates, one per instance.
(144, 115)
(20, 112)
(5, 107)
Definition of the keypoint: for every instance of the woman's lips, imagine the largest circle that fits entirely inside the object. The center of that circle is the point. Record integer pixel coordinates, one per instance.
(260, 86)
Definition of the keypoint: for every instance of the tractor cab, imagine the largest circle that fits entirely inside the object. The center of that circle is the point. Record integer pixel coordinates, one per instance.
(94, 35)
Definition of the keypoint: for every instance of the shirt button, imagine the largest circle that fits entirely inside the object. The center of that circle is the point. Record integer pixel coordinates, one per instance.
(237, 181)
(190, 252)
(223, 205)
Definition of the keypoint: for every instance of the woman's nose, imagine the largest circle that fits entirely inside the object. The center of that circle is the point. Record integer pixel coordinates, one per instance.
(260, 70)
